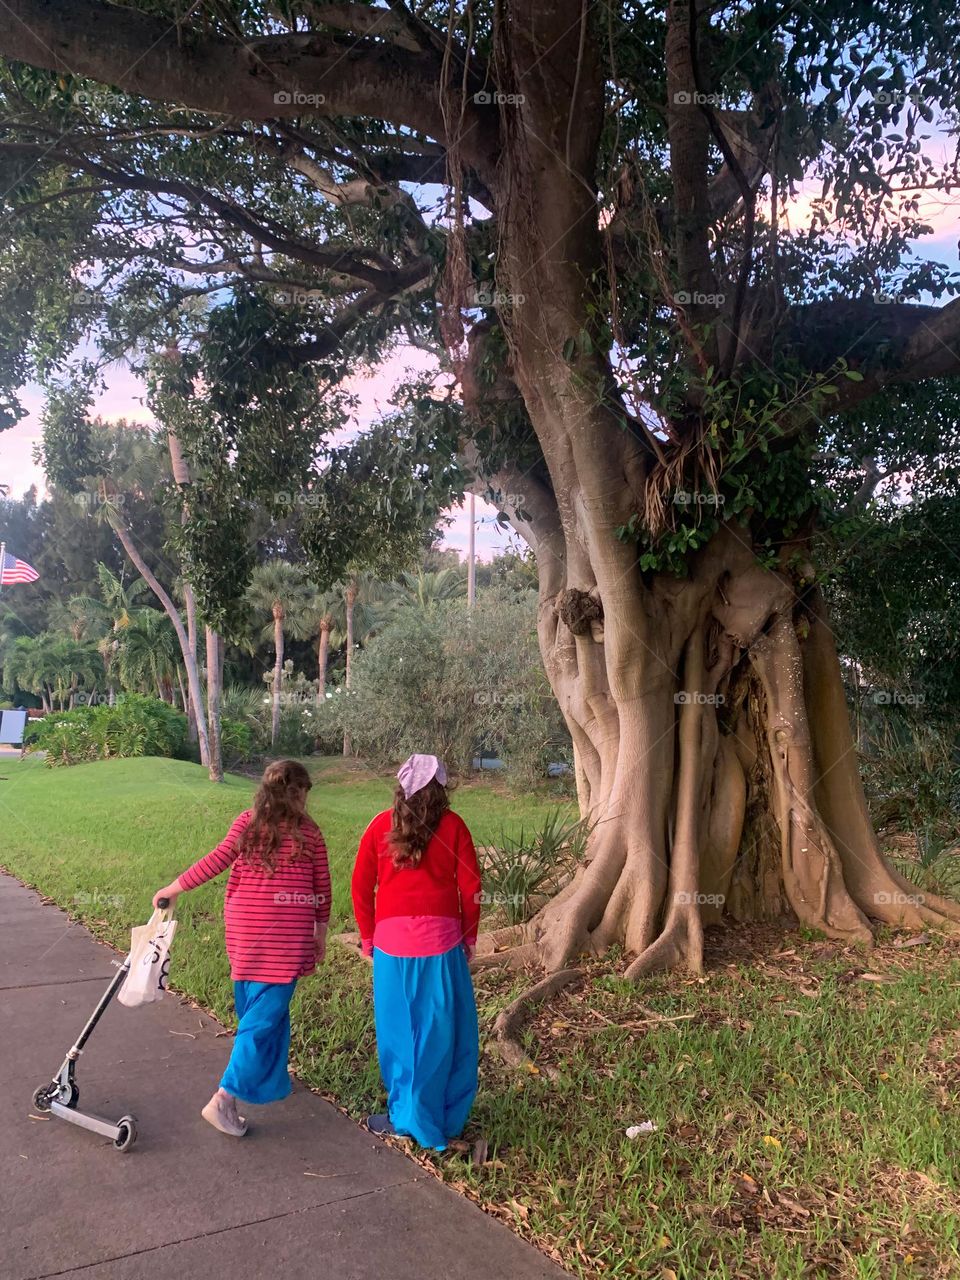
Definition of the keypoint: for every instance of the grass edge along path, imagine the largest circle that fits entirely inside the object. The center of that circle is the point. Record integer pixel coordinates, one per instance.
(804, 1095)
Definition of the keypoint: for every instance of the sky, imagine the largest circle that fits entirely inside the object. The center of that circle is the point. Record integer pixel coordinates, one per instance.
(124, 398)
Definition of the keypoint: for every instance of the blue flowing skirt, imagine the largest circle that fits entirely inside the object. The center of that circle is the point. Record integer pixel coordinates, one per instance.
(427, 1041)
(257, 1071)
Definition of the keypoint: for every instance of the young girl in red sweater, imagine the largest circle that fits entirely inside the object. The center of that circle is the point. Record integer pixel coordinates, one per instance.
(416, 896)
(276, 910)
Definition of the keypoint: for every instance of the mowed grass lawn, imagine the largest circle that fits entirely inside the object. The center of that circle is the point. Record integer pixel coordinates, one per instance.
(805, 1095)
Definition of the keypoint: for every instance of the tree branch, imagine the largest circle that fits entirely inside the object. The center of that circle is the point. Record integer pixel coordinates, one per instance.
(351, 262)
(262, 78)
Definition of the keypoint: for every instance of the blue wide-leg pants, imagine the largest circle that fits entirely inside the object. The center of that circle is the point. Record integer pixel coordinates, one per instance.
(257, 1070)
(428, 1042)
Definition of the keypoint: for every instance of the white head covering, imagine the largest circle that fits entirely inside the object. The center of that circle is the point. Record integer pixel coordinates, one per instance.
(418, 770)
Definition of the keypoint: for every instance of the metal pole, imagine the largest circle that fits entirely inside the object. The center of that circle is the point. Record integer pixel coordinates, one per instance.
(3, 558)
(472, 557)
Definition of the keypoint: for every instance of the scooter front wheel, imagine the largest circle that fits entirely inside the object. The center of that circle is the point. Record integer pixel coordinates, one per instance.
(42, 1098)
(127, 1135)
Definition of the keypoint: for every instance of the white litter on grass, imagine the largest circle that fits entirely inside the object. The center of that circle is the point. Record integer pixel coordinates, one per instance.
(646, 1126)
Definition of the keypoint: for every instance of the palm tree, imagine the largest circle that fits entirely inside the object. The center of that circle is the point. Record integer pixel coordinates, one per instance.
(281, 590)
(324, 606)
(72, 663)
(106, 618)
(148, 653)
(425, 590)
(330, 612)
(363, 598)
(53, 667)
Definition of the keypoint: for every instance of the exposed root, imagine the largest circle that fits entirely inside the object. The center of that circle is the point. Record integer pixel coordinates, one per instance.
(681, 941)
(510, 935)
(510, 958)
(680, 945)
(813, 873)
(510, 1023)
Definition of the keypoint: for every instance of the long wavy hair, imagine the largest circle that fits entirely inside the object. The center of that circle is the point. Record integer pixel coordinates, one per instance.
(279, 811)
(415, 821)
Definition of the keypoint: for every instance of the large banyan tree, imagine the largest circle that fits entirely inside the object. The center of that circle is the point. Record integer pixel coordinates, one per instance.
(669, 252)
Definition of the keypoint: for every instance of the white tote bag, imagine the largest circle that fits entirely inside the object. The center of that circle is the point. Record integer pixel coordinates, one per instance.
(149, 960)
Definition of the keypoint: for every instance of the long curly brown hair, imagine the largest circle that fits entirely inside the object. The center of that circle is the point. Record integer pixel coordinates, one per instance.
(279, 810)
(415, 821)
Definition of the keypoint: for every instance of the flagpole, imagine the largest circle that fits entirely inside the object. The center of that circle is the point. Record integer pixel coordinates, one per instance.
(3, 558)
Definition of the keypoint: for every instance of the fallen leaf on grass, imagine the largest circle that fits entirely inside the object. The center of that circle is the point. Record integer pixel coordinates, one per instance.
(770, 1141)
(876, 977)
(748, 1184)
(917, 941)
(792, 1204)
(668, 1273)
(519, 1209)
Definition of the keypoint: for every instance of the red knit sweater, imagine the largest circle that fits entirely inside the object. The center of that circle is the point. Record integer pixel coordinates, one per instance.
(269, 918)
(445, 883)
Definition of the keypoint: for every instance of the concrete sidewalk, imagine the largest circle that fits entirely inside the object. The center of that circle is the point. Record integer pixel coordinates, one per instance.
(186, 1201)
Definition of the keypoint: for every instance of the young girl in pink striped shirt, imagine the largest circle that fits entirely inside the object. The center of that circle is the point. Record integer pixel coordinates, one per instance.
(276, 909)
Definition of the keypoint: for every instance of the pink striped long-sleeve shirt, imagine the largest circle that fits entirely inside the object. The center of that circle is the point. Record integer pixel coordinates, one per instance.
(269, 919)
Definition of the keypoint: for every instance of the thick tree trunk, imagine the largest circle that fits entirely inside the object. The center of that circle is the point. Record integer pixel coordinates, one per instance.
(724, 779)
(214, 644)
(711, 739)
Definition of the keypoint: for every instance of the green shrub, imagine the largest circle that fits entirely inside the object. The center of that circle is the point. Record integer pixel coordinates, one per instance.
(455, 682)
(936, 867)
(135, 726)
(520, 871)
(911, 776)
(236, 741)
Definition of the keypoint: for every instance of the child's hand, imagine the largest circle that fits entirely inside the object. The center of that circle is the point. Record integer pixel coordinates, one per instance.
(469, 951)
(170, 892)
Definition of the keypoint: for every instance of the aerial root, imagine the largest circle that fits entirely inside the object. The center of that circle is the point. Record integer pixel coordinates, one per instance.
(510, 1023)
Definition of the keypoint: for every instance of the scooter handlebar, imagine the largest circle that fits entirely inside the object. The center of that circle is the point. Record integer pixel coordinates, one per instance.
(163, 903)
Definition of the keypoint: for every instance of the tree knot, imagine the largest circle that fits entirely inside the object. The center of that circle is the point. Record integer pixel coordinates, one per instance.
(578, 609)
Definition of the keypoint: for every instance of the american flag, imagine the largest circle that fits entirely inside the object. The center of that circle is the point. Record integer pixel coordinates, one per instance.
(14, 570)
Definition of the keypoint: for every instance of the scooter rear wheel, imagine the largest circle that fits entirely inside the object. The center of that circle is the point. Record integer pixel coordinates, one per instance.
(127, 1135)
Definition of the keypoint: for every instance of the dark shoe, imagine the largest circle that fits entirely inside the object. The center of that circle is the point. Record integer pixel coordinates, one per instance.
(381, 1125)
